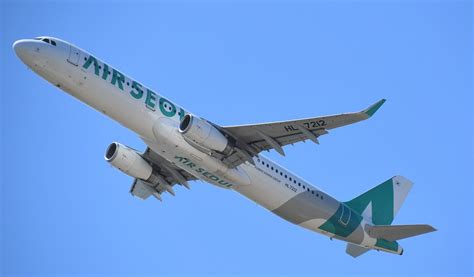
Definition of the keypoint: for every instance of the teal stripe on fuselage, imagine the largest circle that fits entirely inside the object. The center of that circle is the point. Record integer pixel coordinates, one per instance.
(336, 224)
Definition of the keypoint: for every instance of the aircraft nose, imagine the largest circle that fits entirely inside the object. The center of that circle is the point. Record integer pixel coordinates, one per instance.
(20, 47)
(24, 49)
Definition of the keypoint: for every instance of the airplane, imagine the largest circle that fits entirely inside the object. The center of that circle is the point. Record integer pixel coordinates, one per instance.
(183, 147)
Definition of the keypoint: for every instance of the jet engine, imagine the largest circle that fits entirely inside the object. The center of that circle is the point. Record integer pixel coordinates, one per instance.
(128, 161)
(203, 133)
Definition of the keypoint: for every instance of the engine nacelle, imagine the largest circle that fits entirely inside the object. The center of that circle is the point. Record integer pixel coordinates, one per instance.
(203, 133)
(128, 161)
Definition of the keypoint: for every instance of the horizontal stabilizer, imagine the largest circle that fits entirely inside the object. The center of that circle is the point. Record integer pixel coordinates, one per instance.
(396, 232)
(355, 250)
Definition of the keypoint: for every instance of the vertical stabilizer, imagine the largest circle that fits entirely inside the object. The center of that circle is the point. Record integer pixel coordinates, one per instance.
(385, 200)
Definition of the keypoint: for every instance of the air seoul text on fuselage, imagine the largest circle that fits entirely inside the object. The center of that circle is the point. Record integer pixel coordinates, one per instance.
(137, 91)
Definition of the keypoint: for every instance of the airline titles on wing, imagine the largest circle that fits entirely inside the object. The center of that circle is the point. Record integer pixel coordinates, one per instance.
(201, 171)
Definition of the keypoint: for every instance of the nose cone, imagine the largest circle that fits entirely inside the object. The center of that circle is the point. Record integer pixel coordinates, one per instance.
(20, 47)
(25, 49)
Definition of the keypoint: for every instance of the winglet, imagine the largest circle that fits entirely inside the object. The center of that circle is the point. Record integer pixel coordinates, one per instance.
(372, 109)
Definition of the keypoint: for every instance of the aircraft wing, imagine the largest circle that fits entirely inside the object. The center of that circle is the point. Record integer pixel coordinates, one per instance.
(253, 139)
(170, 174)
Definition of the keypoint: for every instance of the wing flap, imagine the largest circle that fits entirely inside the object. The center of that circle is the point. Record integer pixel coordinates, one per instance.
(140, 189)
(167, 176)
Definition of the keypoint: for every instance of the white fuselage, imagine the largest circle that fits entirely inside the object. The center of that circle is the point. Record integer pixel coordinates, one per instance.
(155, 119)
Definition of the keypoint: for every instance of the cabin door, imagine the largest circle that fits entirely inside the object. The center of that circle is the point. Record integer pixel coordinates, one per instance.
(74, 55)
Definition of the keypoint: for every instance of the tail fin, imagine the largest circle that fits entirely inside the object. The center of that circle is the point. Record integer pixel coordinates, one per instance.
(380, 204)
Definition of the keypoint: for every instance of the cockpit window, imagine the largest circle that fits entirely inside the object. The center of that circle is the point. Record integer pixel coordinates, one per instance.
(50, 41)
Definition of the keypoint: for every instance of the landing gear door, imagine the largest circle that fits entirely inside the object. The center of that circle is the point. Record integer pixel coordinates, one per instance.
(74, 55)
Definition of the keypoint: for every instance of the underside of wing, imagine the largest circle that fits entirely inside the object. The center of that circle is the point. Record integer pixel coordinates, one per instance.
(166, 176)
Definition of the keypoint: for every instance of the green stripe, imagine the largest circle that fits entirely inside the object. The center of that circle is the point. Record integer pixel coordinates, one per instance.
(372, 109)
(335, 226)
(382, 199)
(385, 244)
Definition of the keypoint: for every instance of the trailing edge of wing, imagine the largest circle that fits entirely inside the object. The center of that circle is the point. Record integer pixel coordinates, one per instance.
(167, 175)
(141, 190)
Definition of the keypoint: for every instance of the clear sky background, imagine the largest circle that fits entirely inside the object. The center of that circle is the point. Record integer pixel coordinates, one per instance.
(65, 210)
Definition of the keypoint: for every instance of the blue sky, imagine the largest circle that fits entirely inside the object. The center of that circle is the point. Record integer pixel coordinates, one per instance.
(66, 211)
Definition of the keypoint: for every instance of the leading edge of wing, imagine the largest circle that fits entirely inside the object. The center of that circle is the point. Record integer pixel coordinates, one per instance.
(367, 113)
